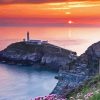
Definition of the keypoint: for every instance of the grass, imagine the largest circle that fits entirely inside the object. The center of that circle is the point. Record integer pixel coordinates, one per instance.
(85, 89)
(92, 86)
(95, 97)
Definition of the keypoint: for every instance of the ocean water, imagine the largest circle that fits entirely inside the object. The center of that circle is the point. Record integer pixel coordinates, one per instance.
(24, 82)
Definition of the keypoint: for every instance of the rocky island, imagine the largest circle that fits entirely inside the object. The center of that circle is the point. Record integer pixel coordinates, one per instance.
(73, 71)
(30, 53)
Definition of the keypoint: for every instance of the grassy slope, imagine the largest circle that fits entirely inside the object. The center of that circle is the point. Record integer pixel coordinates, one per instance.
(90, 87)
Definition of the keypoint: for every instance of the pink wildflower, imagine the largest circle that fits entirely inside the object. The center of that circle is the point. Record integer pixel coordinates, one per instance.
(90, 94)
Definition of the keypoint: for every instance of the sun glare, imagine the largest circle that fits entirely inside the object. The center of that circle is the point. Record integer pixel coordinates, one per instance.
(70, 22)
(67, 13)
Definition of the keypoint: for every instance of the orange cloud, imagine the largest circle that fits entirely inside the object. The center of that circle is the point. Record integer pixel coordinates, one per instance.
(74, 11)
(54, 10)
(37, 1)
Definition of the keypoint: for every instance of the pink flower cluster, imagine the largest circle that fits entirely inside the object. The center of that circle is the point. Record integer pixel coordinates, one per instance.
(49, 97)
(88, 95)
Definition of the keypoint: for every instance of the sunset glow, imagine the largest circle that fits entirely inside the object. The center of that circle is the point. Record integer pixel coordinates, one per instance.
(82, 13)
(48, 48)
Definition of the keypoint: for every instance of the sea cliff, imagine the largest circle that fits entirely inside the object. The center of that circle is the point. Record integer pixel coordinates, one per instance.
(27, 53)
(84, 68)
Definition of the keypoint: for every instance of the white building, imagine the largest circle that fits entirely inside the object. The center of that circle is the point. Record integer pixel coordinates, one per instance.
(39, 42)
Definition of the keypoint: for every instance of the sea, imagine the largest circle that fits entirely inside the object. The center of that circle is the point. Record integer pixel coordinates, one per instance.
(25, 82)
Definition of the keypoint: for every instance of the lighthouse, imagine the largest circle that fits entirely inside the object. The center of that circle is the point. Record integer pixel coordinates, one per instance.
(28, 36)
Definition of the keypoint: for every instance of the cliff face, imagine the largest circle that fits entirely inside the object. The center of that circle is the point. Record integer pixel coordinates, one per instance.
(91, 57)
(30, 53)
(86, 66)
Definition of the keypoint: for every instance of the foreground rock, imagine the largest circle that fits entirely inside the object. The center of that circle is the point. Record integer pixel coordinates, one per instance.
(27, 53)
(86, 66)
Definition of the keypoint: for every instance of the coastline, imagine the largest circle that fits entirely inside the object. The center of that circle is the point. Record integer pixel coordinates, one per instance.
(71, 75)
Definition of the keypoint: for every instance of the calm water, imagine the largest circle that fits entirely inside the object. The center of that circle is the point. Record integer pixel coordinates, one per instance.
(24, 83)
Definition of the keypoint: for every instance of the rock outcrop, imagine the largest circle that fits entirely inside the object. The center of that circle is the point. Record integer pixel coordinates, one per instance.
(27, 53)
(86, 66)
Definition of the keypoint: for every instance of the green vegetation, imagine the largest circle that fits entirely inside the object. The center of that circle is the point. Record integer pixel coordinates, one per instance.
(90, 90)
(96, 97)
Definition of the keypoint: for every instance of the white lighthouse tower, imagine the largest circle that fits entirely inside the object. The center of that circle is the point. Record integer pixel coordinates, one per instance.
(28, 36)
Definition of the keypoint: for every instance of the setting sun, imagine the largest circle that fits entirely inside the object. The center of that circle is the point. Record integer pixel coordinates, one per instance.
(70, 22)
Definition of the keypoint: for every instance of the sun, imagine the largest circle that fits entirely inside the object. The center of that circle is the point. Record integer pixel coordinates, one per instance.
(70, 22)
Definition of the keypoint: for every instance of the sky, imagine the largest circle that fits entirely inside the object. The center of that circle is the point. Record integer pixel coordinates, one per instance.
(49, 12)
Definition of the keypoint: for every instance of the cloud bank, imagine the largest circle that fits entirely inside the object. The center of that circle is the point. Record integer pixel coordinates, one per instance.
(34, 1)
